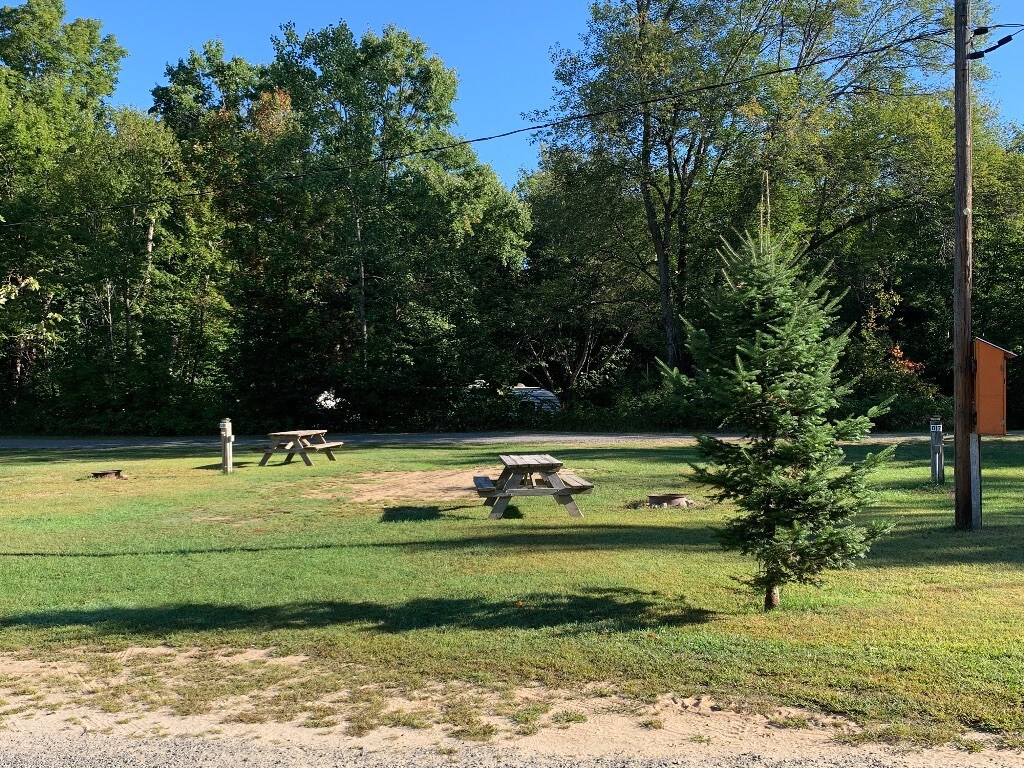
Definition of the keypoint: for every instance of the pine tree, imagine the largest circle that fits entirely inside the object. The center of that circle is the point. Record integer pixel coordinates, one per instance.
(768, 364)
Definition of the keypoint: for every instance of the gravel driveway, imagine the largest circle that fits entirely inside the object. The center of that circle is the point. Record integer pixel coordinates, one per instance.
(92, 750)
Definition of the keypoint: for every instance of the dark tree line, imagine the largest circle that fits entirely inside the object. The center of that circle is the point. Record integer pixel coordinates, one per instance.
(269, 242)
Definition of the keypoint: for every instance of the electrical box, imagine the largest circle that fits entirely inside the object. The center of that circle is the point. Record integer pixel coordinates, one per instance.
(990, 387)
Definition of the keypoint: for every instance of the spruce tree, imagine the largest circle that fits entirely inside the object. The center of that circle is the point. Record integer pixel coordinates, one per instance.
(767, 364)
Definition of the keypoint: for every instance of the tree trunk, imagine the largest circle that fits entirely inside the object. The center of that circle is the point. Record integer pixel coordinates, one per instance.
(364, 331)
(772, 597)
(662, 246)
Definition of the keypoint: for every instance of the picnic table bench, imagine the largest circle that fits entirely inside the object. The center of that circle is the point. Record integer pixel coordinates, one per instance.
(531, 475)
(300, 441)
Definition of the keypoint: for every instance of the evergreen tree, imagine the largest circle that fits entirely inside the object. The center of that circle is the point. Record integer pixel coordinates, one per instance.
(768, 364)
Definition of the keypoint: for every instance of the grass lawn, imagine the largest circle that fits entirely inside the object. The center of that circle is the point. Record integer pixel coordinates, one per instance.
(924, 638)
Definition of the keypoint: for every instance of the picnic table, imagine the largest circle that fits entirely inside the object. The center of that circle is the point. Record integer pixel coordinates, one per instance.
(531, 475)
(300, 441)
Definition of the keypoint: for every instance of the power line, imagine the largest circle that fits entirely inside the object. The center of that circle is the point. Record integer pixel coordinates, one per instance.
(981, 31)
(207, 191)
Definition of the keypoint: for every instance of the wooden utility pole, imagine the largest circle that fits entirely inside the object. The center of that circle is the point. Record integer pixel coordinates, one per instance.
(966, 473)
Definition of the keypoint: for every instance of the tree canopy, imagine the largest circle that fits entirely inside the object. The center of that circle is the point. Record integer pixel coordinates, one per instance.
(304, 240)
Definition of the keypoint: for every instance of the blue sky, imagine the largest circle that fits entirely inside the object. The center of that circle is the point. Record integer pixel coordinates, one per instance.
(500, 50)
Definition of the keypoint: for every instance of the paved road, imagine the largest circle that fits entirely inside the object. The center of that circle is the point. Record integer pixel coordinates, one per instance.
(460, 438)
(408, 438)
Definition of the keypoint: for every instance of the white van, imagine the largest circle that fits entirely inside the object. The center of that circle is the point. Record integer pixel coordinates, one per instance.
(544, 399)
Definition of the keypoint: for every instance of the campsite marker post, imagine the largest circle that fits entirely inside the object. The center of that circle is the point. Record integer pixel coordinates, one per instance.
(227, 440)
(938, 451)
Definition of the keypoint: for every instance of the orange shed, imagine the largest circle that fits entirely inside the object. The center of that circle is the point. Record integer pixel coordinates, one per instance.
(990, 386)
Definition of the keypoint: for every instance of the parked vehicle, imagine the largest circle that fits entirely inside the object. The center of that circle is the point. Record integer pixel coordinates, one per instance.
(543, 399)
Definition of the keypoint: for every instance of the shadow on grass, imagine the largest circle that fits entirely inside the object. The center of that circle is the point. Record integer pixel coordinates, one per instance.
(410, 514)
(571, 538)
(512, 512)
(581, 537)
(235, 464)
(932, 540)
(605, 609)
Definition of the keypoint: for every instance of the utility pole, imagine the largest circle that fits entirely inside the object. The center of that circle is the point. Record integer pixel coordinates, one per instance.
(966, 445)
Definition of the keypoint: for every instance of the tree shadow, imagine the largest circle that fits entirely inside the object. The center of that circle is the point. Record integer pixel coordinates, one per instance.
(187, 551)
(569, 538)
(574, 538)
(932, 540)
(218, 466)
(618, 609)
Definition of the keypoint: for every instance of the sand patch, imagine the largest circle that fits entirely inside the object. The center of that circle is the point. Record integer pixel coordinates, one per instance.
(439, 485)
(427, 486)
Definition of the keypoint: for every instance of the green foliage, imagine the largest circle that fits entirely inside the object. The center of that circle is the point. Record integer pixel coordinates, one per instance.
(768, 366)
(381, 282)
(397, 280)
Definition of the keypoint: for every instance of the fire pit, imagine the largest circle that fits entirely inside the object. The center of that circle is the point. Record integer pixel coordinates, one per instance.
(109, 474)
(669, 500)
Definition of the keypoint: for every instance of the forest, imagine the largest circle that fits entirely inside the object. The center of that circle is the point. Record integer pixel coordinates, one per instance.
(310, 240)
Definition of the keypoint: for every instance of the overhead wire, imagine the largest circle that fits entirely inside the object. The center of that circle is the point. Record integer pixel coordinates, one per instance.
(982, 31)
(616, 109)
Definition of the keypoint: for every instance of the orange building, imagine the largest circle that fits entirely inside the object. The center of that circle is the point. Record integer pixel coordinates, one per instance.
(990, 387)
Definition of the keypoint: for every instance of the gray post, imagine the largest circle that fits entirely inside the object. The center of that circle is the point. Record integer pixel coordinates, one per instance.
(975, 481)
(938, 451)
(227, 440)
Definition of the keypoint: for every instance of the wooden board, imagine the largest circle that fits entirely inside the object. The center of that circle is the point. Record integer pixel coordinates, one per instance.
(530, 461)
(990, 388)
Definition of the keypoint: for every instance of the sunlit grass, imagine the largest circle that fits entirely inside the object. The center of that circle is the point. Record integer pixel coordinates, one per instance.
(924, 637)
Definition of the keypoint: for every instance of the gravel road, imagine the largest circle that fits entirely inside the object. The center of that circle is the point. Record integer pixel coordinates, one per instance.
(61, 750)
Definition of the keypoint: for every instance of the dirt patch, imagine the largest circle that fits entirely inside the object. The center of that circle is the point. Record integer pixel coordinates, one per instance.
(441, 485)
(430, 486)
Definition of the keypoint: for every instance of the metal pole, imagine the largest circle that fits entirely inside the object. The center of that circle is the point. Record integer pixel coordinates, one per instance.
(966, 473)
(227, 441)
(938, 451)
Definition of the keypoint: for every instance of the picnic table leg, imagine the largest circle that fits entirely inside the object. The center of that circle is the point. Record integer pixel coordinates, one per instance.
(499, 484)
(570, 505)
(501, 502)
(329, 453)
(266, 457)
(302, 453)
(565, 499)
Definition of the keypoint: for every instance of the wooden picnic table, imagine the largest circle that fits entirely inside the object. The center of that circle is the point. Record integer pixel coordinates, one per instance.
(300, 441)
(531, 475)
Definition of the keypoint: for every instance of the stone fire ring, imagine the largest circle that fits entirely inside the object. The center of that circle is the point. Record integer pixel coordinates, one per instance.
(669, 500)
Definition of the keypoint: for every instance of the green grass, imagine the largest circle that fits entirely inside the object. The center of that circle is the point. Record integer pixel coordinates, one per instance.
(923, 638)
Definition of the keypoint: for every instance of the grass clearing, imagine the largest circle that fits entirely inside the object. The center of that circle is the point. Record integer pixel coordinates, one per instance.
(273, 589)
